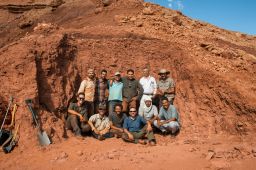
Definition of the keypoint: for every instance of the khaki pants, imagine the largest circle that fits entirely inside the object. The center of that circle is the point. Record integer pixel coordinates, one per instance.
(116, 132)
(139, 135)
(127, 105)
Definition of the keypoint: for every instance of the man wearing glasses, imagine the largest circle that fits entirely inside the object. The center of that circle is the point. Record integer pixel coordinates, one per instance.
(77, 120)
(137, 128)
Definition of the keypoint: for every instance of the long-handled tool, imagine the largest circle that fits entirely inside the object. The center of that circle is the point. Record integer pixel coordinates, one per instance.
(11, 142)
(9, 105)
(42, 136)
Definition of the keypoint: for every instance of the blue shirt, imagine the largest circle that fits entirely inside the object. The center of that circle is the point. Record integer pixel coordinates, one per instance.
(115, 91)
(170, 113)
(134, 124)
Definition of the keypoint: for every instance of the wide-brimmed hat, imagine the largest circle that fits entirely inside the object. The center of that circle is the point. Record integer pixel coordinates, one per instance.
(163, 71)
(117, 73)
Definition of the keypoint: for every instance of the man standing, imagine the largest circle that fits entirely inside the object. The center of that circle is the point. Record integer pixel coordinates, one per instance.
(115, 92)
(165, 86)
(136, 128)
(100, 124)
(168, 118)
(101, 90)
(132, 91)
(78, 117)
(149, 86)
(87, 86)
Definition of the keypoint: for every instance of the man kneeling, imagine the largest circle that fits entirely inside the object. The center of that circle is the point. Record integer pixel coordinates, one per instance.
(136, 128)
(168, 118)
(78, 116)
(100, 124)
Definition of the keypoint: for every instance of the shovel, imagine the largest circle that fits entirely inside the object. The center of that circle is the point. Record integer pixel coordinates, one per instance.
(9, 105)
(42, 136)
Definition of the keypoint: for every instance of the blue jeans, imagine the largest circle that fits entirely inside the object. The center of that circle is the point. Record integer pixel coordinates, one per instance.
(111, 105)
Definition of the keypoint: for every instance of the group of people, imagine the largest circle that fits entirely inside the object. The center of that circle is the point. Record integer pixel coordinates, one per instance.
(124, 107)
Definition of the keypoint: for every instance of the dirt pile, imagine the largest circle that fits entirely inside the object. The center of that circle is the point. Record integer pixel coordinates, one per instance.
(46, 51)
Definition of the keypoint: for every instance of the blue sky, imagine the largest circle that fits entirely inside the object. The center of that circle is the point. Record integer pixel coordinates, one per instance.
(236, 15)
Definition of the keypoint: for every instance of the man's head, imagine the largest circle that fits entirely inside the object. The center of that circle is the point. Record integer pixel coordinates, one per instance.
(91, 73)
(130, 74)
(103, 74)
(163, 74)
(81, 98)
(117, 76)
(148, 101)
(165, 103)
(118, 109)
(102, 110)
(146, 72)
(132, 112)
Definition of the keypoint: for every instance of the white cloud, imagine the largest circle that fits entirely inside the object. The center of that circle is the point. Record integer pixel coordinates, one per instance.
(176, 4)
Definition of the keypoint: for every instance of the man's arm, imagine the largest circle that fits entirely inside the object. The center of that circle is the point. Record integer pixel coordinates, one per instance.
(115, 128)
(130, 136)
(90, 122)
(72, 112)
(140, 90)
(82, 86)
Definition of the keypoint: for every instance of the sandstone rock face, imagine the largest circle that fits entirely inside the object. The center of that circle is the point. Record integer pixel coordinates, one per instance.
(214, 69)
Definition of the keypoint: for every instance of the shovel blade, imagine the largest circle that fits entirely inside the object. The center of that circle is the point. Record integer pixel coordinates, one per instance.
(43, 139)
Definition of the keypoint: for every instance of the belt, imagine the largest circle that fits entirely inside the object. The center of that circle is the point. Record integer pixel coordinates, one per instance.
(148, 93)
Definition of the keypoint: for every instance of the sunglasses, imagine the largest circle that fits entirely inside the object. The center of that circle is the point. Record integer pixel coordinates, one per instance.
(81, 98)
(132, 110)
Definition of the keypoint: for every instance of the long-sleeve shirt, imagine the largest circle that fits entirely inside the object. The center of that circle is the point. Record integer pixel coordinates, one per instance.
(131, 88)
(88, 86)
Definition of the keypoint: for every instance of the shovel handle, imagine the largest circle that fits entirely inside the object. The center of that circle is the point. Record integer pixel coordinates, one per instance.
(9, 105)
(29, 102)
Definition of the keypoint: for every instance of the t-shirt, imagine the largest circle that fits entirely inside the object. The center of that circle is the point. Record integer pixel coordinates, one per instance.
(150, 114)
(170, 113)
(134, 124)
(100, 123)
(79, 109)
(117, 121)
(115, 91)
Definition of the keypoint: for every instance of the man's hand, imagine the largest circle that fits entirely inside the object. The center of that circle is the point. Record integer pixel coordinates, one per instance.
(159, 123)
(160, 92)
(130, 136)
(121, 130)
(81, 118)
(149, 128)
(96, 131)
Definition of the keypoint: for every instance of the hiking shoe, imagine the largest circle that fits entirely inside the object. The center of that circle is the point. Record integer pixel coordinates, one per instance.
(141, 141)
(152, 143)
(101, 138)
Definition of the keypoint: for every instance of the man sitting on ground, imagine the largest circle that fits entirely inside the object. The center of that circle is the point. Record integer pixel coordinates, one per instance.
(78, 116)
(100, 124)
(168, 118)
(117, 120)
(149, 111)
(136, 128)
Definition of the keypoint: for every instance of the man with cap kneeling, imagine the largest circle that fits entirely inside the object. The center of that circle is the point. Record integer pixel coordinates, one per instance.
(165, 86)
(100, 124)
